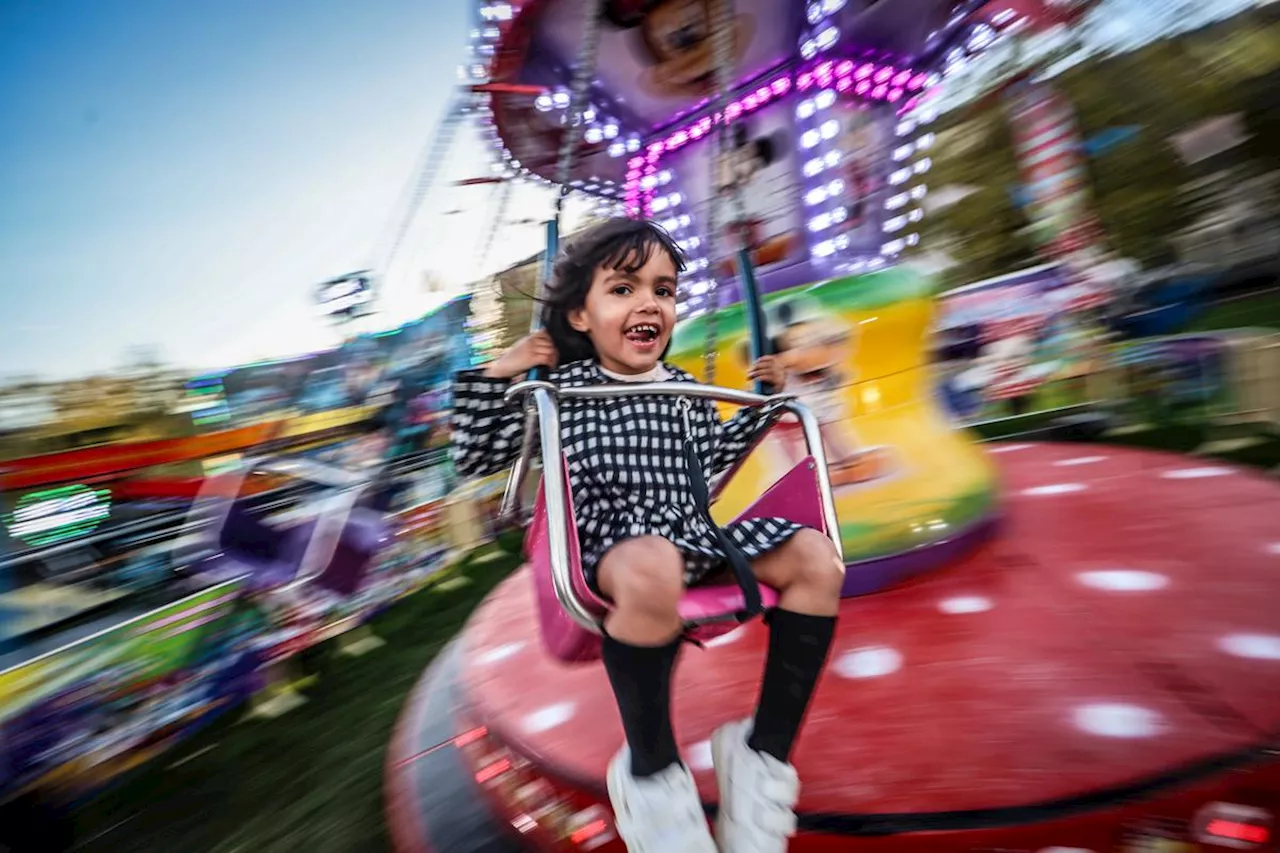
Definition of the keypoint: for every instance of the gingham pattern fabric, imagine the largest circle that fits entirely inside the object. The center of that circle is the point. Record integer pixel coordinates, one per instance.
(626, 463)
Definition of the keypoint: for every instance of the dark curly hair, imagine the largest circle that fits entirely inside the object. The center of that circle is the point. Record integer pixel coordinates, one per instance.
(619, 244)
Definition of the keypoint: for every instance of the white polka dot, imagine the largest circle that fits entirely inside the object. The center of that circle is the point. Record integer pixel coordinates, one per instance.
(1255, 646)
(868, 663)
(1118, 720)
(698, 756)
(1273, 549)
(726, 638)
(499, 653)
(1195, 473)
(1008, 448)
(1079, 460)
(965, 604)
(545, 719)
(1123, 580)
(1055, 489)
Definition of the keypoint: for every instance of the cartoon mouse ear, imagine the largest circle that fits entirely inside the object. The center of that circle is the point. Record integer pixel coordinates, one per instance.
(628, 14)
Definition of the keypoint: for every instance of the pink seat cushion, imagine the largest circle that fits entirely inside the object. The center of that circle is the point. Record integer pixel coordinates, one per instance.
(794, 497)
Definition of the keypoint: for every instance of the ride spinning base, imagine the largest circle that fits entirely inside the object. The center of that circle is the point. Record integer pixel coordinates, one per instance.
(1106, 667)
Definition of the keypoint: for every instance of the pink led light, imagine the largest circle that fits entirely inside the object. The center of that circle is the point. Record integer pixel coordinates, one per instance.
(864, 71)
(844, 68)
(804, 81)
(911, 104)
(863, 87)
(884, 74)
(902, 78)
(635, 162)
(879, 91)
(895, 95)
(633, 174)
(917, 82)
(843, 84)
(702, 126)
(824, 70)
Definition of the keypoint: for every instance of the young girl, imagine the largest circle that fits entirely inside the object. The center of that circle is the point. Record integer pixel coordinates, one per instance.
(608, 316)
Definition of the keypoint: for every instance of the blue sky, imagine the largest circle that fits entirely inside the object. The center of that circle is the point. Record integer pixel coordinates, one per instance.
(180, 174)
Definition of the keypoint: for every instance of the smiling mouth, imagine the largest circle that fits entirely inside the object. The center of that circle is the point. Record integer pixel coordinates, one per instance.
(642, 333)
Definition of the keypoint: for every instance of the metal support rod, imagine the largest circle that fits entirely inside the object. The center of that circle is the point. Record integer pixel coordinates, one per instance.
(510, 505)
(753, 310)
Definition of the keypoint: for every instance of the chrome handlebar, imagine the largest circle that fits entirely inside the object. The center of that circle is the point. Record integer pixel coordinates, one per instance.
(545, 403)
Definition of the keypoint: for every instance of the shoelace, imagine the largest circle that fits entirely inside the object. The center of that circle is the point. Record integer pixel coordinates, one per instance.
(774, 795)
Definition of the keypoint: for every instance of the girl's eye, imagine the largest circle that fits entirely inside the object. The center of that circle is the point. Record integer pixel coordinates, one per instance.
(621, 289)
(665, 291)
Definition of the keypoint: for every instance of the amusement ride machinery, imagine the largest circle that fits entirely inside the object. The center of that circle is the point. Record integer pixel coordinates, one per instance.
(1041, 647)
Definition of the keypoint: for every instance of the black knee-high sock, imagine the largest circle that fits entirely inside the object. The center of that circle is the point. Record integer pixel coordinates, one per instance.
(798, 646)
(641, 679)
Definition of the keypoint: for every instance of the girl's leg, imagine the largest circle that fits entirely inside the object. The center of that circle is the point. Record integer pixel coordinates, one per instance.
(655, 802)
(644, 578)
(808, 576)
(758, 786)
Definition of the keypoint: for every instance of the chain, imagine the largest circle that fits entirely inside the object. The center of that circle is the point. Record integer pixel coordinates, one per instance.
(723, 49)
(579, 90)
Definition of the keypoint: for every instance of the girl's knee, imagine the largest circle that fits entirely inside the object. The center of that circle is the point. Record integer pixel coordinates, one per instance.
(643, 574)
(816, 563)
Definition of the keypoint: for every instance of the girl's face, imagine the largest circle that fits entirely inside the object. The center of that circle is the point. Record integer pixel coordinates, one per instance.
(629, 316)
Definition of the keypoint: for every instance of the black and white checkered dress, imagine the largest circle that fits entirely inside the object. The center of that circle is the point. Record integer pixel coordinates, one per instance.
(626, 463)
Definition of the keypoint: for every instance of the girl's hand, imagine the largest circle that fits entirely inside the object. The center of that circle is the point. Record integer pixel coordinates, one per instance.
(536, 350)
(770, 370)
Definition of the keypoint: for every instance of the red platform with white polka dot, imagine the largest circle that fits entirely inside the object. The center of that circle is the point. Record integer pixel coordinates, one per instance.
(1102, 674)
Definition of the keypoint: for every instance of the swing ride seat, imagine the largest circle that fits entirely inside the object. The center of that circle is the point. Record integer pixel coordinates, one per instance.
(570, 612)
(332, 547)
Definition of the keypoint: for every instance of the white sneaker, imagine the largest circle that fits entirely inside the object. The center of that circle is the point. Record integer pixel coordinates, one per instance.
(661, 813)
(758, 794)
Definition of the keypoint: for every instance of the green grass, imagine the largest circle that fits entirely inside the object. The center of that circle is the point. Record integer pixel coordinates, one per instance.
(308, 781)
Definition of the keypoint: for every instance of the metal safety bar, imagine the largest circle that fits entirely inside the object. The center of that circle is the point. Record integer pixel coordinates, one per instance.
(546, 397)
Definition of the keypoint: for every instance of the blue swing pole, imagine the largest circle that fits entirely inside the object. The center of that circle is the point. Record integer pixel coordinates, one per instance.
(548, 265)
(754, 312)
